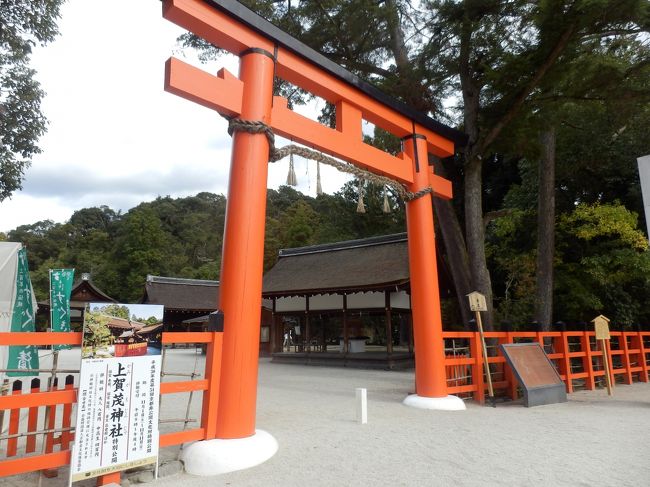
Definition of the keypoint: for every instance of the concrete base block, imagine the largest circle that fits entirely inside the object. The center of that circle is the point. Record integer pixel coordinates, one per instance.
(449, 403)
(214, 457)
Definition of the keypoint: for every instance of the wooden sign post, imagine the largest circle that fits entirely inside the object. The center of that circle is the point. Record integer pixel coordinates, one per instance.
(601, 326)
(477, 304)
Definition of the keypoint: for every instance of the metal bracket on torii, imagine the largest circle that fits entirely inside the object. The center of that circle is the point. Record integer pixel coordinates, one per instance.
(266, 52)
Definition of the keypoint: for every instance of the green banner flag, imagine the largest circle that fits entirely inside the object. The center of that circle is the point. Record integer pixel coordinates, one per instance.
(60, 288)
(23, 319)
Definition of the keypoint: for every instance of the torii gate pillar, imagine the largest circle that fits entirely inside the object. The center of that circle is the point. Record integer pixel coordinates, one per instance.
(239, 445)
(243, 253)
(430, 384)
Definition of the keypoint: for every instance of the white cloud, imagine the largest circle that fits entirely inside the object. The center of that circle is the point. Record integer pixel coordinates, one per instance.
(115, 136)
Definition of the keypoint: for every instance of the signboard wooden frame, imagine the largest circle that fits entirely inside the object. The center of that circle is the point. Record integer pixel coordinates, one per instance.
(535, 372)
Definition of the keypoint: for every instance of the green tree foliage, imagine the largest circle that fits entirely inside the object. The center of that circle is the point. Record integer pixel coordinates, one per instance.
(97, 335)
(602, 261)
(598, 142)
(182, 237)
(298, 225)
(115, 310)
(23, 24)
(511, 253)
(141, 246)
(152, 320)
(44, 241)
(604, 265)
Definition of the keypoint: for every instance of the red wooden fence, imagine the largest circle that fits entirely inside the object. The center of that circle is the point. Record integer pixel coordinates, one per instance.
(576, 355)
(66, 396)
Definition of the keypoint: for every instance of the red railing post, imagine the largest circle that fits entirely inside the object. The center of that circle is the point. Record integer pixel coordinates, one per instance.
(32, 419)
(211, 395)
(626, 358)
(49, 437)
(639, 345)
(111, 478)
(565, 362)
(476, 350)
(66, 436)
(14, 419)
(508, 374)
(587, 361)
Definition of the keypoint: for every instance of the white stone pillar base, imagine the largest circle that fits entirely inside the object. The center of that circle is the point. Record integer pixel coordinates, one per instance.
(449, 403)
(214, 457)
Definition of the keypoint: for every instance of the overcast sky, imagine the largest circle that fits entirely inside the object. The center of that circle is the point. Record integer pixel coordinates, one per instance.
(115, 137)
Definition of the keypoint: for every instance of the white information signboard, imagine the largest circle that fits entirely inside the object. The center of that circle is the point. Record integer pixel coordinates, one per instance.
(119, 390)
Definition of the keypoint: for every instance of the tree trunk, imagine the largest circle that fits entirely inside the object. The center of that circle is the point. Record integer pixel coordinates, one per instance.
(455, 249)
(452, 239)
(545, 231)
(450, 229)
(474, 228)
(475, 235)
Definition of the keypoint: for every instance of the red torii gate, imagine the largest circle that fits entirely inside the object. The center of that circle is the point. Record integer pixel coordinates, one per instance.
(266, 52)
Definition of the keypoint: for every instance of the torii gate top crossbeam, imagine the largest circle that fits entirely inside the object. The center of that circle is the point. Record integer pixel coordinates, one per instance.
(231, 26)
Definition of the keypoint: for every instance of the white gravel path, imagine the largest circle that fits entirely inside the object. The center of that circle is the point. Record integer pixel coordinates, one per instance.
(593, 440)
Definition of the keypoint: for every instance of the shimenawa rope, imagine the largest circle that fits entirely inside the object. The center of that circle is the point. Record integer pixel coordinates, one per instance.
(275, 154)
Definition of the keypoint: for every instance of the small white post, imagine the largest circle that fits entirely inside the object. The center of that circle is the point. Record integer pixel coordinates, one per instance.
(362, 405)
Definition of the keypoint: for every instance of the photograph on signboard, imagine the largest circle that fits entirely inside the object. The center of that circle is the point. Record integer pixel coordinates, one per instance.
(119, 389)
(122, 330)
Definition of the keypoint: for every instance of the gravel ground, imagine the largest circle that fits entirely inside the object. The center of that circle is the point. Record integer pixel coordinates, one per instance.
(593, 440)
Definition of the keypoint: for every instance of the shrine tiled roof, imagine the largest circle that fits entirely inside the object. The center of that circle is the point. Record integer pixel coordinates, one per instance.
(182, 294)
(371, 263)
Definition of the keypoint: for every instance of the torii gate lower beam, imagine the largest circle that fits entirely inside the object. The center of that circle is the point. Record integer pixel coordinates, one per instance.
(250, 97)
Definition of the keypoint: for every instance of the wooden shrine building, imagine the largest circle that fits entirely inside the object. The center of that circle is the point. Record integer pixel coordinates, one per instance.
(83, 291)
(183, 299)
(346, 303)
(342, 304)
(123, 328)
(188, 303)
